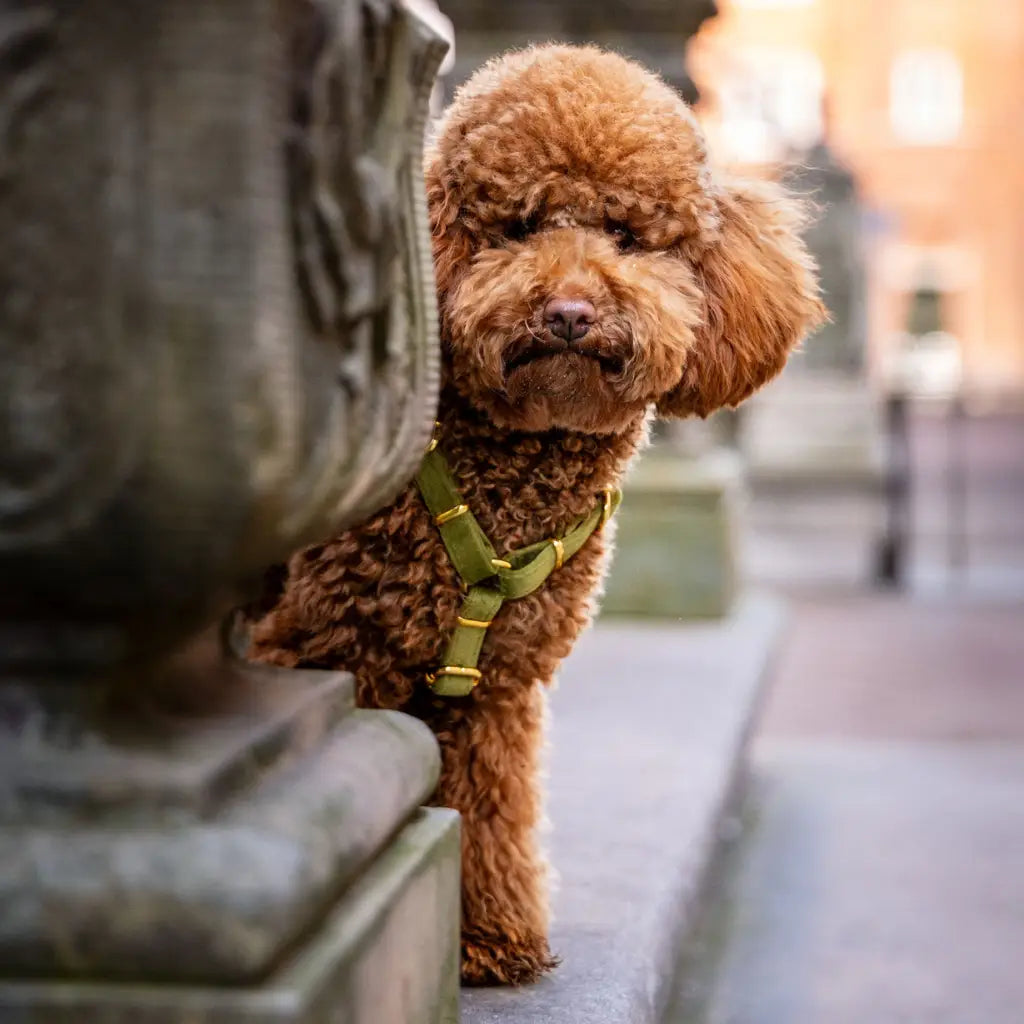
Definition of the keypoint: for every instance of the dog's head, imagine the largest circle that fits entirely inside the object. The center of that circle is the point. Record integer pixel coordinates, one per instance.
(590, 264)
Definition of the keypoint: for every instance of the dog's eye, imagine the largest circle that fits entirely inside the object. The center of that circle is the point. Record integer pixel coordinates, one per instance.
(624, 238)
(517, 230)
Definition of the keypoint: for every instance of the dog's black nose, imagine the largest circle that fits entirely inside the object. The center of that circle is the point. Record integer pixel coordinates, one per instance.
(569, 319)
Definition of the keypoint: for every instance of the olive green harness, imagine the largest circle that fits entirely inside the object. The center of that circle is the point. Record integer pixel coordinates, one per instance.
(489, 581)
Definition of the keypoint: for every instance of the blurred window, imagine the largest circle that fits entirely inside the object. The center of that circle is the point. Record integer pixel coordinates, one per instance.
(926, 102)
(772, 104)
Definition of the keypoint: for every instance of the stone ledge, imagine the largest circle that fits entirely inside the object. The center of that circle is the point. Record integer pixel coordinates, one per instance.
(650, 725)
(835, 470)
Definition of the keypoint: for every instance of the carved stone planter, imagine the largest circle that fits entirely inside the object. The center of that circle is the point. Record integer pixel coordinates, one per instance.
(218, 341)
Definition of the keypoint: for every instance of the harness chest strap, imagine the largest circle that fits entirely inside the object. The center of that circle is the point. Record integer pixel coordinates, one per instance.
(490, 580)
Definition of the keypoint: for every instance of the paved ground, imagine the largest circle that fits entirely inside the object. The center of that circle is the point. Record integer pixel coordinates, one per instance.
(930, 663)
(880, 879)
(883, 885)
(880, 666)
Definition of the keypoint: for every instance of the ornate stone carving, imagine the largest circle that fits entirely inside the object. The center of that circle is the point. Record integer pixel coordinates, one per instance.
(353, 192)
(25, 38)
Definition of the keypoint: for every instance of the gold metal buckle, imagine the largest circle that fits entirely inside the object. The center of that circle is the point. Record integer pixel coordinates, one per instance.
(559, 552)
(474, 623)
(455, 670)
(450, 514)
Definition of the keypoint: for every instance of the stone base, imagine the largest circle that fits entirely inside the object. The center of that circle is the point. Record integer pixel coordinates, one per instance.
(815, 430)
(386, 953)
(266, 861)
(676, 538)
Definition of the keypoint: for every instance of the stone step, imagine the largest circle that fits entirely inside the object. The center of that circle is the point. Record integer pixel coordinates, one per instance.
(649, 727)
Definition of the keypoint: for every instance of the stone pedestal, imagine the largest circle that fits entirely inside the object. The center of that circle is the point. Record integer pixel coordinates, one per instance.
(676, 538)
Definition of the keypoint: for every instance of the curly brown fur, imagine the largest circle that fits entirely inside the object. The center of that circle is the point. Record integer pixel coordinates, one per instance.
(558, 172)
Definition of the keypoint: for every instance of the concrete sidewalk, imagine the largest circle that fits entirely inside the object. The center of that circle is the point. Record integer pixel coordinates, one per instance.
(881, 884)
(880, 876)
(879, 666)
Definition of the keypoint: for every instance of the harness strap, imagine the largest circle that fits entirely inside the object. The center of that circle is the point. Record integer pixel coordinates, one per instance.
(490, 580)
(468, 547)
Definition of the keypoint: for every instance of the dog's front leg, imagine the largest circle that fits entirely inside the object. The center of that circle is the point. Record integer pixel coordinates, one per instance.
(491, 749)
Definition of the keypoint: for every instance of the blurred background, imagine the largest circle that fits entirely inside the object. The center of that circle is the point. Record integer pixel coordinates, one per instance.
(878, 486)
(892, 451)
(902, 121)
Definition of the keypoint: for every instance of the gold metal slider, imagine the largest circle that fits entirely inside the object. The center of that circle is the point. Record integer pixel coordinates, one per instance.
(559, 552)
(433, 440)
(452, 513)
(474, 623)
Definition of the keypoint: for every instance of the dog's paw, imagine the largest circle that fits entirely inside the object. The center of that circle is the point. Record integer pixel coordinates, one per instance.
(487, 961)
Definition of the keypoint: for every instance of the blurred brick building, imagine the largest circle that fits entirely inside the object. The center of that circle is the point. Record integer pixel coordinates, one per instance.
(924, 100)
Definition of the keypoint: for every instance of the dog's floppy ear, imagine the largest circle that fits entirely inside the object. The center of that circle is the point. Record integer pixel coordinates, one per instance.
(761, 296)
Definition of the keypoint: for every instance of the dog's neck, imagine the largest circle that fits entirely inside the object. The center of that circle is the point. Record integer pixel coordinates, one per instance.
(526, 487)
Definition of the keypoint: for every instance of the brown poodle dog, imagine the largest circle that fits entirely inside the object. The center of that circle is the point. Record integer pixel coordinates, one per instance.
(591, 267)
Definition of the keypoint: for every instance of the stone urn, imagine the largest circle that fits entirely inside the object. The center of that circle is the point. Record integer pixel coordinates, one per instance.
(218, 343)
